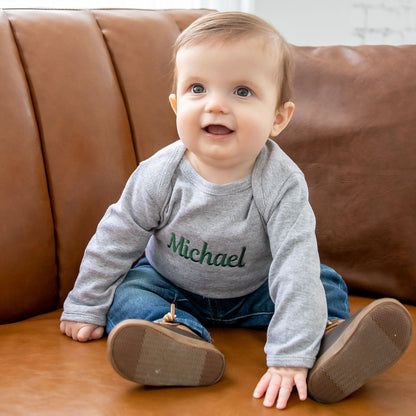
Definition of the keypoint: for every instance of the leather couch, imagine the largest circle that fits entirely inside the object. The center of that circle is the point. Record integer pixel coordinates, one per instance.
(83, 99)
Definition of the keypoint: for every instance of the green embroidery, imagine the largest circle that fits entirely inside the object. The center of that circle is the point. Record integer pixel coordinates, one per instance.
(203, 255)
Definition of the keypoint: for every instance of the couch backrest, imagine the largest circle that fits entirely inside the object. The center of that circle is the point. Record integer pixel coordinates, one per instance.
(354, 136)
(83, 99)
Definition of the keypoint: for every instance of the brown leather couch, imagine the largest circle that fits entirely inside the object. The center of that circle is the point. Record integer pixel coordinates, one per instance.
(83, 99)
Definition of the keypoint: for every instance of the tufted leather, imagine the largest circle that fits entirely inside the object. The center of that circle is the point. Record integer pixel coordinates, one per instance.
(83, 99)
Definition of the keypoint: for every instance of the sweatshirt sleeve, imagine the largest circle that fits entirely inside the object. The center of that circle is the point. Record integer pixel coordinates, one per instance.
(120, 239)
(300, 315)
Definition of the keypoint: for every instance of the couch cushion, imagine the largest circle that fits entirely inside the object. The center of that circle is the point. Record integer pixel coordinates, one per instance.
(83, 124)
(28, 282)
(353, 135)
(140, 43)
(45, 373)
(100, 82)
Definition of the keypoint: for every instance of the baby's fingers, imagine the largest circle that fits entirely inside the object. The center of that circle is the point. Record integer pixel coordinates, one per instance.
(301, 385)
(89, 333)
(277, 384)
(67, 328)
(261, 387)
(273, 391)
(80, 331)
(284, 393)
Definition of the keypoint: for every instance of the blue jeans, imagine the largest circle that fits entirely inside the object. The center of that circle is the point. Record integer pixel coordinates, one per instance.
(145, 294)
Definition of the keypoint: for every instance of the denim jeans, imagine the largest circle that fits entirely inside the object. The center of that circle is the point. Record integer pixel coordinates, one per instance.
(145, 294)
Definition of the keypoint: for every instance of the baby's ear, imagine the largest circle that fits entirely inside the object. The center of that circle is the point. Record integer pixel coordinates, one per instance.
(283, 116)
(173, 102)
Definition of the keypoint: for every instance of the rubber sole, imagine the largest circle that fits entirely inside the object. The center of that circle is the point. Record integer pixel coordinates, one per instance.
(152, 354)
(370, 342)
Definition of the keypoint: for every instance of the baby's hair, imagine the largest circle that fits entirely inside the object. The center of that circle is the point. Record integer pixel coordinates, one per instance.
(235, 26)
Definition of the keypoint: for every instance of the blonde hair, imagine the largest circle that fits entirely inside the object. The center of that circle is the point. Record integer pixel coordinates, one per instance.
(235, 26)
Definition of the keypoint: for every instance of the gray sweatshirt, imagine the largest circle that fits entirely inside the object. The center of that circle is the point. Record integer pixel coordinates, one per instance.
(218, 241)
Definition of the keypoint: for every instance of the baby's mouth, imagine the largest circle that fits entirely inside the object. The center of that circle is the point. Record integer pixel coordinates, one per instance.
(218, 129)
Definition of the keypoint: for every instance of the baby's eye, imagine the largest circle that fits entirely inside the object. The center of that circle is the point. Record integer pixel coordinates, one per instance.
(242, 92)
(197, 89)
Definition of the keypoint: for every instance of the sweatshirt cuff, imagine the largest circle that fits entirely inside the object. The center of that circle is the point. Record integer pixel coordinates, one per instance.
(289, 361)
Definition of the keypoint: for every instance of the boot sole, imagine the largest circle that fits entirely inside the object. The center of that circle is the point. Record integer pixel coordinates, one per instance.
(151, 354)
(374, 340)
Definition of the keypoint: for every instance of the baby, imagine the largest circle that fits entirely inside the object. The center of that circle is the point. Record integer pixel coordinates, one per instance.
(229, 235)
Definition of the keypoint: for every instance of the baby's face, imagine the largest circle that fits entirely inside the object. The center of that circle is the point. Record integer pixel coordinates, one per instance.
(226, 103)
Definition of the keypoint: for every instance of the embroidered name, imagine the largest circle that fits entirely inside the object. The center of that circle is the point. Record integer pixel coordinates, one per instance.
(202, 255)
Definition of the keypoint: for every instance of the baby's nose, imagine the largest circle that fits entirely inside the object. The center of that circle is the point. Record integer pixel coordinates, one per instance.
(216, 103)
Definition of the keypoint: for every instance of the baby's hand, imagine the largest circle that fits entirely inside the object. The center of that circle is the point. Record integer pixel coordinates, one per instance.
(81, 331)
(278, 383)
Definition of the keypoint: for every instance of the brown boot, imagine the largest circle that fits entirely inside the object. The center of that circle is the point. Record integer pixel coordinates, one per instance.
(354, 350)
(162, 354)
